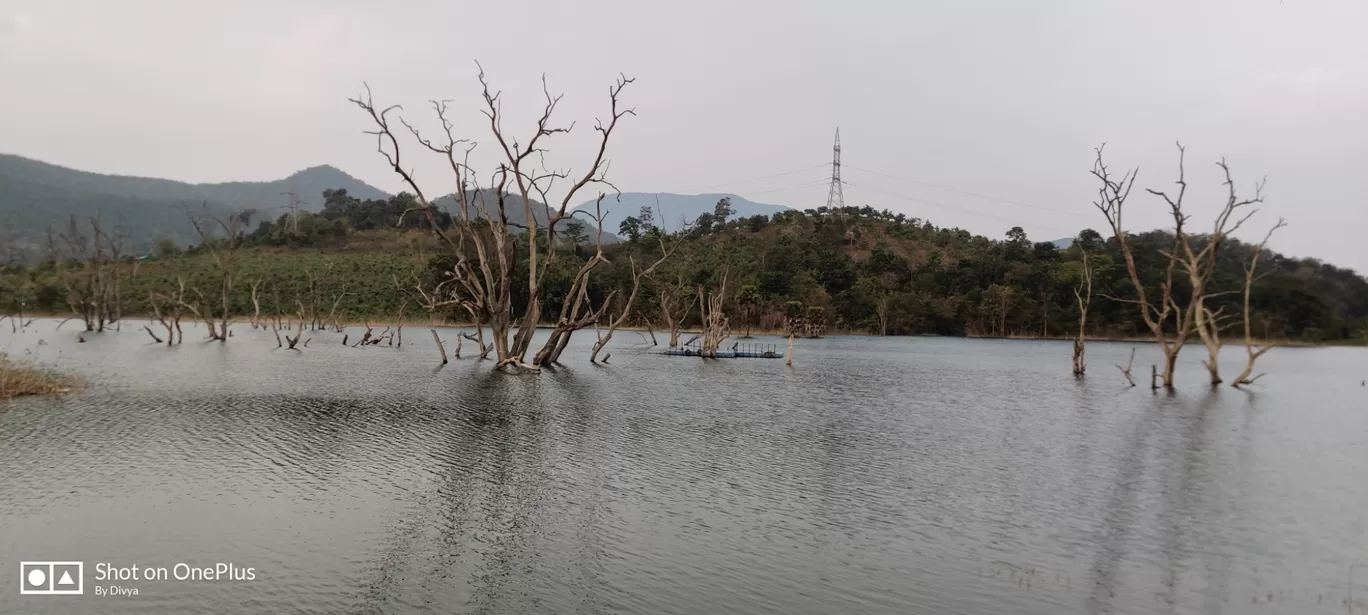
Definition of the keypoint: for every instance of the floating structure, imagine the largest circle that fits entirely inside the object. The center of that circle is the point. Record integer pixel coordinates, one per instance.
(735, 351)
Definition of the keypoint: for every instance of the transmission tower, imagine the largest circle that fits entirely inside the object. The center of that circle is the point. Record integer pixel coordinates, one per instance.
(836, 197)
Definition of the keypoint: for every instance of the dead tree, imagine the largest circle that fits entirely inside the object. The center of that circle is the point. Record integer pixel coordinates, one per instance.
(814, 322)
(440, 347)
(332, 314)
(223, 252)
(275, 328)
(1126, 371)
(1200, 265)
(256, 305)
(1083, 293)
(314, 304)
(577, 313)
(478, 339)
(716, 327)
(291, 343)
(674, 311)
(168, 310)
(1254, 351)
(1111, 201)
(637, 277)
(485, 253)
(92, 285)
(649, 330)
(399, 331)
(366, 337)
(794, 324)
(299, 332)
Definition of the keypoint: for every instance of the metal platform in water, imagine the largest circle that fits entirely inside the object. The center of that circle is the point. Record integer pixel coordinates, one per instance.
(735, 351)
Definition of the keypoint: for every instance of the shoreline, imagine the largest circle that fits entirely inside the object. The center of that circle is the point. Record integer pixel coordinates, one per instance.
(429, 322)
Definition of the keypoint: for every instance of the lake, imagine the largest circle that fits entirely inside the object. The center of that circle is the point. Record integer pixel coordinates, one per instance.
(877, 475)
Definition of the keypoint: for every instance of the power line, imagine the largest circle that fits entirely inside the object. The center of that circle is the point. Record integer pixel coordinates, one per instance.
(812, 183)
(756, 179)
(967, 193)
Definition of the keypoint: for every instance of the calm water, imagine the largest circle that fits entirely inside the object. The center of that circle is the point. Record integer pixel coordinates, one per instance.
(888, 475)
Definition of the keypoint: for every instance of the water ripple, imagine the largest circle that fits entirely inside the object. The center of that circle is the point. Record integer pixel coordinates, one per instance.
(875, 476)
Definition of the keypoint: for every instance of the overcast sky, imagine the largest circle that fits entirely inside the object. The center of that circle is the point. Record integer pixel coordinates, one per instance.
(971, 113)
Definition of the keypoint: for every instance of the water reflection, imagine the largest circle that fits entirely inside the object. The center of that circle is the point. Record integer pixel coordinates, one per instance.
(876, 476)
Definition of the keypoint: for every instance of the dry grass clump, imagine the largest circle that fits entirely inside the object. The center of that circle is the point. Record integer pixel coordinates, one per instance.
(21, 378)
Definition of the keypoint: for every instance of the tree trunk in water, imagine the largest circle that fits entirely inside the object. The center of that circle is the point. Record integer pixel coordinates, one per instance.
(1208, 329)
(440, 347)
(788, 355)
(602, 341)
(565, 339)
(1213, 365)
(1170, 361)
(1080, 365)
(1253, 351)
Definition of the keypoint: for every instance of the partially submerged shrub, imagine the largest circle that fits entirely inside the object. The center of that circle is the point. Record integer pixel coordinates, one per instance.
(20, 378)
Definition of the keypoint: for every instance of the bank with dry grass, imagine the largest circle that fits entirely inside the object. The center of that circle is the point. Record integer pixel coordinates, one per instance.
(24, 378)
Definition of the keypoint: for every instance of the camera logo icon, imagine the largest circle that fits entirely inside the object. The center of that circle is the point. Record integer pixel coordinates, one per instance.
(51, 578)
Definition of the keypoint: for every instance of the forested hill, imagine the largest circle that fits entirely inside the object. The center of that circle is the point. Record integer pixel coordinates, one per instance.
(35, 196)
(865, 271)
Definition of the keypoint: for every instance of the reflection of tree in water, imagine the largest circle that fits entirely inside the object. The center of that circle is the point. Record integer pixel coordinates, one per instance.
(511, 421)
(480, 502)
(577, 412)
(1178, 492)
(1120, 515)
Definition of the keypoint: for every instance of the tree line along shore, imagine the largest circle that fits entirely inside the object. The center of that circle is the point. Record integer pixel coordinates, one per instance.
(865, 272)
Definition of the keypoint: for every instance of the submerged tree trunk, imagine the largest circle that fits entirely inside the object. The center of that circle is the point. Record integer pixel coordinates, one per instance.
(1253, 351)
(715, 326)
(1083, 294)
(440, 348)
(1208, 330)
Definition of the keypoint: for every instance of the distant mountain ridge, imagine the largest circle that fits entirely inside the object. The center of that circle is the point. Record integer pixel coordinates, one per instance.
(675, 207)
(36, 196)
(308, 184)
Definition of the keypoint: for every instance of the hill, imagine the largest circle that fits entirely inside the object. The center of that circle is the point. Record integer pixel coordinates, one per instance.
(517, 216)
(676, 207)
(865, 271)
(309, 184)
(35, 196)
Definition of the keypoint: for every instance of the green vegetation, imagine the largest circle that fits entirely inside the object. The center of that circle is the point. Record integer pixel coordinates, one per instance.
(857, 270)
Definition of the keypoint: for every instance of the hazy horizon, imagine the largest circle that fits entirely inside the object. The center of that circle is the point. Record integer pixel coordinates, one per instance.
(980, 115)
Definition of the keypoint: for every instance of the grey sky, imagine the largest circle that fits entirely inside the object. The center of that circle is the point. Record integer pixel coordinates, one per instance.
(1005, 99)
